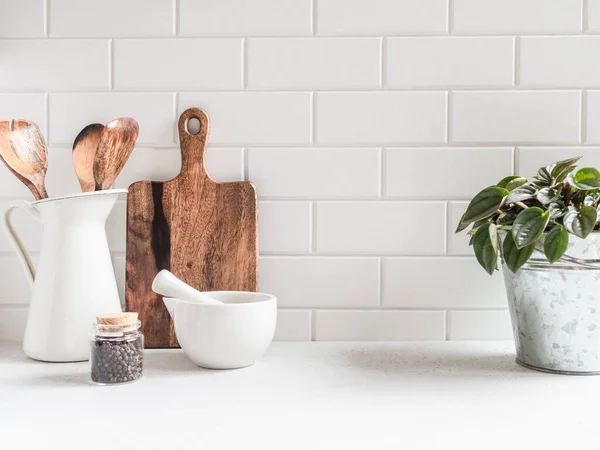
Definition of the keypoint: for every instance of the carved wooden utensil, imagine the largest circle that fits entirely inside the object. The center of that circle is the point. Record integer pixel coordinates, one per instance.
(24, 152)
(116, 144)
(204, 232)
(84, 153)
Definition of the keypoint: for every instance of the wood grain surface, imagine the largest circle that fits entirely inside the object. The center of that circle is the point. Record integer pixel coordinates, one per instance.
(203, 232)
(24, 152)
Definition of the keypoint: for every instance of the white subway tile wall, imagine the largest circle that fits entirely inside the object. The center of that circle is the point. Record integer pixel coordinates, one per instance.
(366, 125)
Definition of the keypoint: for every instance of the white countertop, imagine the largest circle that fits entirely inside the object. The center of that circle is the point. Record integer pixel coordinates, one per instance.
(305, 395)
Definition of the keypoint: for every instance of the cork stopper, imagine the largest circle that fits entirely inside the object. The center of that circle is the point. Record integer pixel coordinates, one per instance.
(124, 318)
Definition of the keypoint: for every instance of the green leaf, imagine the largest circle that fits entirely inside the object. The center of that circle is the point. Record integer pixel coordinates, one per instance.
(504, 181)
(525, 192)
(486, 254)
(517, 182)
(548, 195)
(529, 226)
(543, 176)
(506, 218)
(559, 170)
(557, 209)
(580, 222)
(484, 204)
(586, 179)
(493, 230)
(462, 225)
(589, 200)
(556, 243)
(515, 257)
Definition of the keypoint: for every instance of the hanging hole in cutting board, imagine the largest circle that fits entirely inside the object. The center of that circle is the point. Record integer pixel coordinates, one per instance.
(193, 126)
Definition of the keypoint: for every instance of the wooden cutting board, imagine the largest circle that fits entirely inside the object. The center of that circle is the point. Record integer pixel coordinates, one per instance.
(202, 231)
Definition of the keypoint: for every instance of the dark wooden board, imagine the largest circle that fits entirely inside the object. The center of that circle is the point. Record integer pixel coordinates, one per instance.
(202, 231)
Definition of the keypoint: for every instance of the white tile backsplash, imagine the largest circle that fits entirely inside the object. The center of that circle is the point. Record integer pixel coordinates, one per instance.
(379, 325)
(110, 18)
(380, 117)
(560, 61)
(284, 227)
(40, 65)
(244, 18)
(321, 282)
(22, 19)
(459, 172)
(185, 64)
(315, 172)
(380, 17)
(415, 283)
(383, 227)
(69, 113)
(313, 63)
(479, 325)
(517, 16)
(516, 116)
(293, 325)
(449, 61)
(366, 125)
(24, 106)
(242, 118)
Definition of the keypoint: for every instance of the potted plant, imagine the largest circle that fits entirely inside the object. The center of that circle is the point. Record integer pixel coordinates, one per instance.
(544, 231)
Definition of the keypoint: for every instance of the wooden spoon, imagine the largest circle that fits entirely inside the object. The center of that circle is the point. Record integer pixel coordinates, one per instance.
(24, 152)
(116, 144)
(84, 152)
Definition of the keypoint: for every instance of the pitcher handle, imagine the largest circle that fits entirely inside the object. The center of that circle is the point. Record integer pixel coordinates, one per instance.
(14, 239)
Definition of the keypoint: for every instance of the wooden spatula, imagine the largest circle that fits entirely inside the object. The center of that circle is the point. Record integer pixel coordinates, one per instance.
(84, 153)
(24, 152)
(116, 144)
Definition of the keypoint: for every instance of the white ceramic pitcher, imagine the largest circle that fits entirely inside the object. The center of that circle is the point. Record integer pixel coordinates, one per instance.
(75, 280)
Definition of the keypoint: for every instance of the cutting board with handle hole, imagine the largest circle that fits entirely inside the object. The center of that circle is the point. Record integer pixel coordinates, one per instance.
(204, 232)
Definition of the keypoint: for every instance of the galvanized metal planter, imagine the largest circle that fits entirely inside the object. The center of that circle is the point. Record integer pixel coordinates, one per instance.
(555, 310)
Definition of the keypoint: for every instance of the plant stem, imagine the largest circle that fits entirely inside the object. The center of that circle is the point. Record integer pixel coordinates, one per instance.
(522, 205)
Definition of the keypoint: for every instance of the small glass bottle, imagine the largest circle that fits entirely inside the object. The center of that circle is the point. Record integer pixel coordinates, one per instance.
(117, 349)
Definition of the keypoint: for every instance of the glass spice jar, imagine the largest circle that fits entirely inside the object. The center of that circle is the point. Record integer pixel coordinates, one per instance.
(117, 349)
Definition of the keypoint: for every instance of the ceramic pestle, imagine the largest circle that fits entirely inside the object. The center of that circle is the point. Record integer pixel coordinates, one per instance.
(168, 285)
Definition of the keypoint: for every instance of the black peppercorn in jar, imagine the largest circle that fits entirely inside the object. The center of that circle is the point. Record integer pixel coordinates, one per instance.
(117, 349)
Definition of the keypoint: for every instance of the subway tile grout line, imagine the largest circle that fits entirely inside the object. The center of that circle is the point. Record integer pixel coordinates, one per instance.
(380, 282)
(176, 18)
(111, 68)
(244, 56)
(489, 146)
(46, 18)
(583, 116)
(357, 35)
(47, 116)
(383, 63)
(382, 172)
(175, 128)
(14, 305)
(449, 117)
(517, 62)
(515, 160)
(447, 325)
(313, 119)
(456, 308)
(447, 225)
(313, 17)
(245, 170)
(585, 16)
(308, 90)
(450, 14)
(313, 324)
(313, 227)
